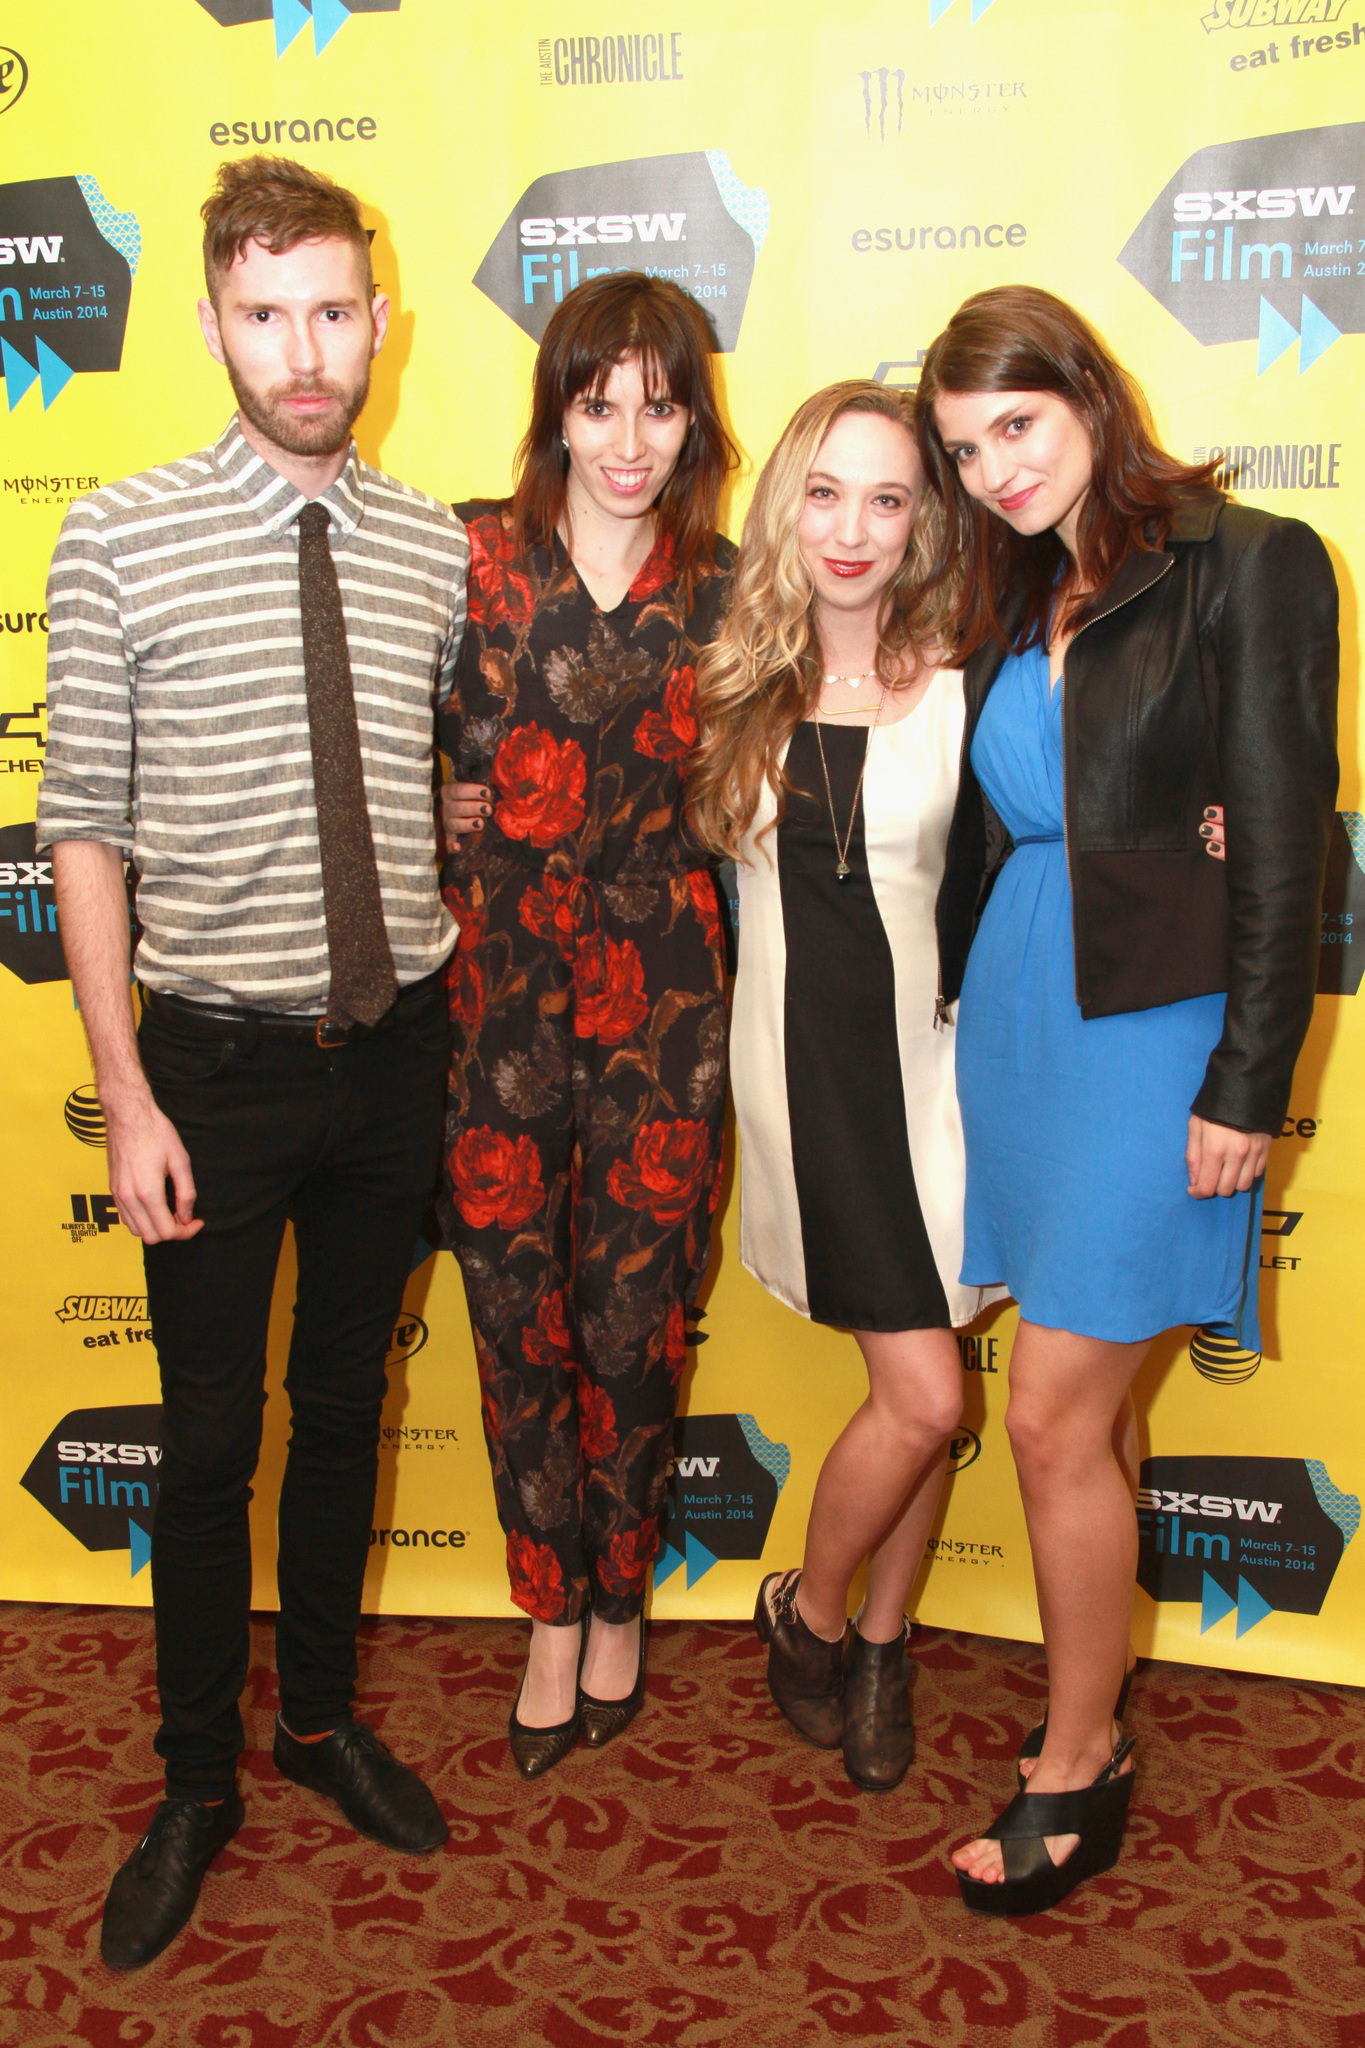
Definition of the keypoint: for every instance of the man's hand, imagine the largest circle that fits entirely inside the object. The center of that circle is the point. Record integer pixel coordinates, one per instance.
(464, 806)
(144, 1153)
(144, 1150)
(1221, 1161)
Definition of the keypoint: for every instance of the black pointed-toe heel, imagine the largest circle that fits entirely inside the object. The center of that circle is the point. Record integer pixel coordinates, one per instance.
(601, 1721)
(1033, 1883)
(1032, 1744)
(537, 1750)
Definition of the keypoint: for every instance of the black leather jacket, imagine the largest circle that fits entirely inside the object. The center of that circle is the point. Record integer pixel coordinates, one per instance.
(1208, 676)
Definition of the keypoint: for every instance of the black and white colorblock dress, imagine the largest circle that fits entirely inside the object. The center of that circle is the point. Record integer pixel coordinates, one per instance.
(851, 1160)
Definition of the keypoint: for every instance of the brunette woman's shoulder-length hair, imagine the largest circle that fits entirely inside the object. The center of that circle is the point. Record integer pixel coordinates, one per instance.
(1017, 338)
(600, 322)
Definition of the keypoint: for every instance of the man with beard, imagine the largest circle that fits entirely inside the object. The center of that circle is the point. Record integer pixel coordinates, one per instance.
(247, 652)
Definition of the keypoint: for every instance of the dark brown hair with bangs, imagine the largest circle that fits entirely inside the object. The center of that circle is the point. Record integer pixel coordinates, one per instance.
(1017, 338)
(609, 317)
(278, 203)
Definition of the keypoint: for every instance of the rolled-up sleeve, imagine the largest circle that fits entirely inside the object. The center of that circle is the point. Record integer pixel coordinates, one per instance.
(88, 772)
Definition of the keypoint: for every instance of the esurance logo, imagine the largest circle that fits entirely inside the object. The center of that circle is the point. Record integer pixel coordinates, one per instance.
(1244, 229)
(29, 945)
(686, 217)
(13, 79)
(96, 1474)
(1248, 1536)
(721, 1494)
(292, 17)
(67, 263)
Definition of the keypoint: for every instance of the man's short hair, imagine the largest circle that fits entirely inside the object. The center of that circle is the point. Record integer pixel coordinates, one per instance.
(278, 203)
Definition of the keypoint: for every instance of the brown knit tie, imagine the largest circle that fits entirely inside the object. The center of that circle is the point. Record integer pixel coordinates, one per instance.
(363, 981)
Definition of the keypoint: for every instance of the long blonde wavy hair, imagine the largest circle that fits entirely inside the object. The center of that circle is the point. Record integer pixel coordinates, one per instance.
(762, 673)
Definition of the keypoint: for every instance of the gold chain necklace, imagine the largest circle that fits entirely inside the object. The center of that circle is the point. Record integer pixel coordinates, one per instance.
(841, 871)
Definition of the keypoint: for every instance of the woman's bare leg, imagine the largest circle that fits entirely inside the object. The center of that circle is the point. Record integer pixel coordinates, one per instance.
(878, 1488)
(550, 1686)
(1070, 1430)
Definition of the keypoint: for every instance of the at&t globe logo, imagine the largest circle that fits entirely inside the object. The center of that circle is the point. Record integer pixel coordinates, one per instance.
(84, 1116)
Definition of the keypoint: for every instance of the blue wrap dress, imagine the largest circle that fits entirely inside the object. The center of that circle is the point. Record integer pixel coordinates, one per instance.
(1076, 1128)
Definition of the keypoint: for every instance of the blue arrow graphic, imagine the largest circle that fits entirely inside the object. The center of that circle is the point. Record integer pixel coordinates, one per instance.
(1217, 1603)
(19, 373)
(1251, 1608)
(1318, 334)
(1275, 337)
(665, 1564)
(53, 371)
(328, 17)
(139, 1546)
(699, 1561)
(291, 19)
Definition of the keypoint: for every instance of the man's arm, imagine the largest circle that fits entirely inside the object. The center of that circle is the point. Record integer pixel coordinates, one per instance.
(144, 1149)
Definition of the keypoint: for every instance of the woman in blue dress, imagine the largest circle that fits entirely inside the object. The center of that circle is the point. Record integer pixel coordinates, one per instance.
(1142, 653)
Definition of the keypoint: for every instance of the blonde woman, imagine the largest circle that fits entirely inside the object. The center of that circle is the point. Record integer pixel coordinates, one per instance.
(828, 769)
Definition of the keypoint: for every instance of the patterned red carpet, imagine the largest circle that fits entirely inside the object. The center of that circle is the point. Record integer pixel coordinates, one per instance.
(706, 1880)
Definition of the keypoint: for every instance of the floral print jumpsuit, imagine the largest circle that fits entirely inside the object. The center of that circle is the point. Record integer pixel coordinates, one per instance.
(588, 1066)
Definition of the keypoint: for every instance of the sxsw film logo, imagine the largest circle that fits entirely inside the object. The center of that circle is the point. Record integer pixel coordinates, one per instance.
(1244, 1535)
(1343, 902)
(1243, 230)
(721, 1494)
(292, 17)
(96, 1475)
(67, 263)
(13, 79)
(29, 945)
(686, 217)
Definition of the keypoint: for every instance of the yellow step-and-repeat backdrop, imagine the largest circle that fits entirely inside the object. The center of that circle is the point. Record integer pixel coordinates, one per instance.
(829, 183)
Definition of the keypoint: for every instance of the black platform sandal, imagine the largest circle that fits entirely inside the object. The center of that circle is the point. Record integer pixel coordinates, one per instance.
(1032, 1744)
(601, 1721)
(1033, 1883)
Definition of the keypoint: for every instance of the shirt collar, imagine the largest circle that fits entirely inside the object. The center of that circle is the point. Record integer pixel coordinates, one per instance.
(272, 498)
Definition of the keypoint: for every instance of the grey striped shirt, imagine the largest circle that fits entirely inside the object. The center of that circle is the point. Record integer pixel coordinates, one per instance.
(178, 719)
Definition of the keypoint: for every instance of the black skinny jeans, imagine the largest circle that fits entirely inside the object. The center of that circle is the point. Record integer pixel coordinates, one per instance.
(346, 1145)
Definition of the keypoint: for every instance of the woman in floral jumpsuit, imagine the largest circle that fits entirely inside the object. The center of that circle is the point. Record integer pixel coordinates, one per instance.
(587, 989)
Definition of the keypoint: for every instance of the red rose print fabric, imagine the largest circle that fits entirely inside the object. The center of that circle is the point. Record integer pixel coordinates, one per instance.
(495, 1178)
(588, 1063)
(581, 720)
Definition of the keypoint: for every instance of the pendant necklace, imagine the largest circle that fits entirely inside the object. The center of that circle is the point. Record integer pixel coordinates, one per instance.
(842, 870)
(853, 682)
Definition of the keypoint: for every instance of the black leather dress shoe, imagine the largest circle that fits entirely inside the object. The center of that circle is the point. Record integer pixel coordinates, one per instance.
(153, 1895)
(380, 1797)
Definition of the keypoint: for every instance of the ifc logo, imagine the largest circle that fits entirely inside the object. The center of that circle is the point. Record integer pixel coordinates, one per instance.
(13, 79)
(85, 1117)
